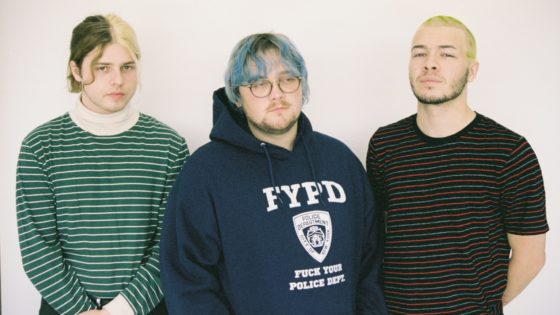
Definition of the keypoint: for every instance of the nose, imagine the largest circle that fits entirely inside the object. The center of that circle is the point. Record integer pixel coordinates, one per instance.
(431, 64)
(117, 77)
(276, 93)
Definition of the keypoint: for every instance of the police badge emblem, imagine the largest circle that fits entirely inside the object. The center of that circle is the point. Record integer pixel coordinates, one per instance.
(314, 231)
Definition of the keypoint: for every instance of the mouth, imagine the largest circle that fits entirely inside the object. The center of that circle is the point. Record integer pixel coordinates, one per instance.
(430, 80)
(116, 95)
(278, 107)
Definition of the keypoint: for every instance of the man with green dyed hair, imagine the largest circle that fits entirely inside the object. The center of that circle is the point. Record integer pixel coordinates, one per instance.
(459, 191)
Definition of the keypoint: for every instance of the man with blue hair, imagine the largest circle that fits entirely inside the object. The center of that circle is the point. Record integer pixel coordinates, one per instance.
(270, 217)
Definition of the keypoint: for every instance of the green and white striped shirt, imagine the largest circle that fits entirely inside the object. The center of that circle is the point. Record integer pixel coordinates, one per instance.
(90, 210)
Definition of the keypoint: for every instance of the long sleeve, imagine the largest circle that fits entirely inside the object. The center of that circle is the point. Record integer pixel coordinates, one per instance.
(144, 292)
(370, 298)
(375, 176)
(190, 249)
(42, 256)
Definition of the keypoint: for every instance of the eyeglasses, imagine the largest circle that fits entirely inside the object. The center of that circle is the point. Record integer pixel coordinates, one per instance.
(263, 88)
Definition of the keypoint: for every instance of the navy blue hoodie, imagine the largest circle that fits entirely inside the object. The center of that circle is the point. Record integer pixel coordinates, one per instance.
(253, 228)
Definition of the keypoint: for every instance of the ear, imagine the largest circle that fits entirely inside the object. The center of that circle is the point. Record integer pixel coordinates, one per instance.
(473, 70)
(76, 72)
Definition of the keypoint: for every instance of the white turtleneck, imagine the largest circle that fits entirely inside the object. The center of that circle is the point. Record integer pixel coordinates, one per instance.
(104, 124)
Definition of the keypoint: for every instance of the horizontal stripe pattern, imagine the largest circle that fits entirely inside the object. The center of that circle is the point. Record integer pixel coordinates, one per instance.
(90, 210)
(449, 204)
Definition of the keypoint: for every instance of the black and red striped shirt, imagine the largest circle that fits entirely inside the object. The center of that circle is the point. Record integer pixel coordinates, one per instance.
(449, 204)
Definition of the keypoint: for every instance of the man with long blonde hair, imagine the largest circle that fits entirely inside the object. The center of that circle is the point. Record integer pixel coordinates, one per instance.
(92, 185)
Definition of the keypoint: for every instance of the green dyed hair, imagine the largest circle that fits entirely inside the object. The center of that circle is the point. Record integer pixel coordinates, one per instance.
(441, 20)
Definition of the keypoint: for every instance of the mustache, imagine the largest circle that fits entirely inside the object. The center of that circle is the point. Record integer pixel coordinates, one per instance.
(282, 103)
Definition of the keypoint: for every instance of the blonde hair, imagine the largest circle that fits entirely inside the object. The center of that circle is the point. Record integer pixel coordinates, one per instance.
(94, 33)
(441, 20)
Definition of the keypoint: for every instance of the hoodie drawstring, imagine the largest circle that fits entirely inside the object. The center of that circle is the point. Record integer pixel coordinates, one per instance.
(310, 161)
(311, 167)
(270, 171)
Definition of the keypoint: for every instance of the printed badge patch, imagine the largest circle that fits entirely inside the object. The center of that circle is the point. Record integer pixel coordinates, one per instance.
(314, 231)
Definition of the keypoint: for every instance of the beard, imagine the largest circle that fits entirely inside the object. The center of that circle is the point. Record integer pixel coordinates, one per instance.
(456, 90)
(270, 129)
(273, 127)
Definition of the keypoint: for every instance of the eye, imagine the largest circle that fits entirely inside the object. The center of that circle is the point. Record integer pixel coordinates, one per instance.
(260, 84)
(102, 68)
(288, 80)
(419, 54)
(128, 68)
(447, 55)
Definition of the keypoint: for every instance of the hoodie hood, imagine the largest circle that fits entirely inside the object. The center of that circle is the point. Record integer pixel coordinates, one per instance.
(230, 126)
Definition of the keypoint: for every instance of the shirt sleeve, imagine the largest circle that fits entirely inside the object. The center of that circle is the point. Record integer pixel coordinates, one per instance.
(374, 170)
(191, 248)
(144, 292)
(41, 251)
(523, 196)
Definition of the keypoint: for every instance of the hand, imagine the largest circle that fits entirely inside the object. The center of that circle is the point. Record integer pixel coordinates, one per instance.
(95, 312)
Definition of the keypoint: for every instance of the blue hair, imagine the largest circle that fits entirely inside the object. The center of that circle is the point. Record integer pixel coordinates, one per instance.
(250, 51)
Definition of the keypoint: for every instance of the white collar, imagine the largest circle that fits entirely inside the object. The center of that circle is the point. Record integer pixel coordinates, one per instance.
(104, 124)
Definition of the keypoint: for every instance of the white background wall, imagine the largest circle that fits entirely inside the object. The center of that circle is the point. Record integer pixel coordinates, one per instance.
(357, 55)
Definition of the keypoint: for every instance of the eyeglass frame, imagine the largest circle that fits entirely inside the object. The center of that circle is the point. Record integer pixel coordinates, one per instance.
(250, 86)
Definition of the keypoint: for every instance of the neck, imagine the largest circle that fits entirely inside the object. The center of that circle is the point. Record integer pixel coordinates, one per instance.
(443, 120)
(104, 124)
(285, 140)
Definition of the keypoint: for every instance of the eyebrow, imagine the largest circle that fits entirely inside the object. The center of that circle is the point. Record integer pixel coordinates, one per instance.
(286, 72)
(262, 77)
(110, 63)
(439, 47)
